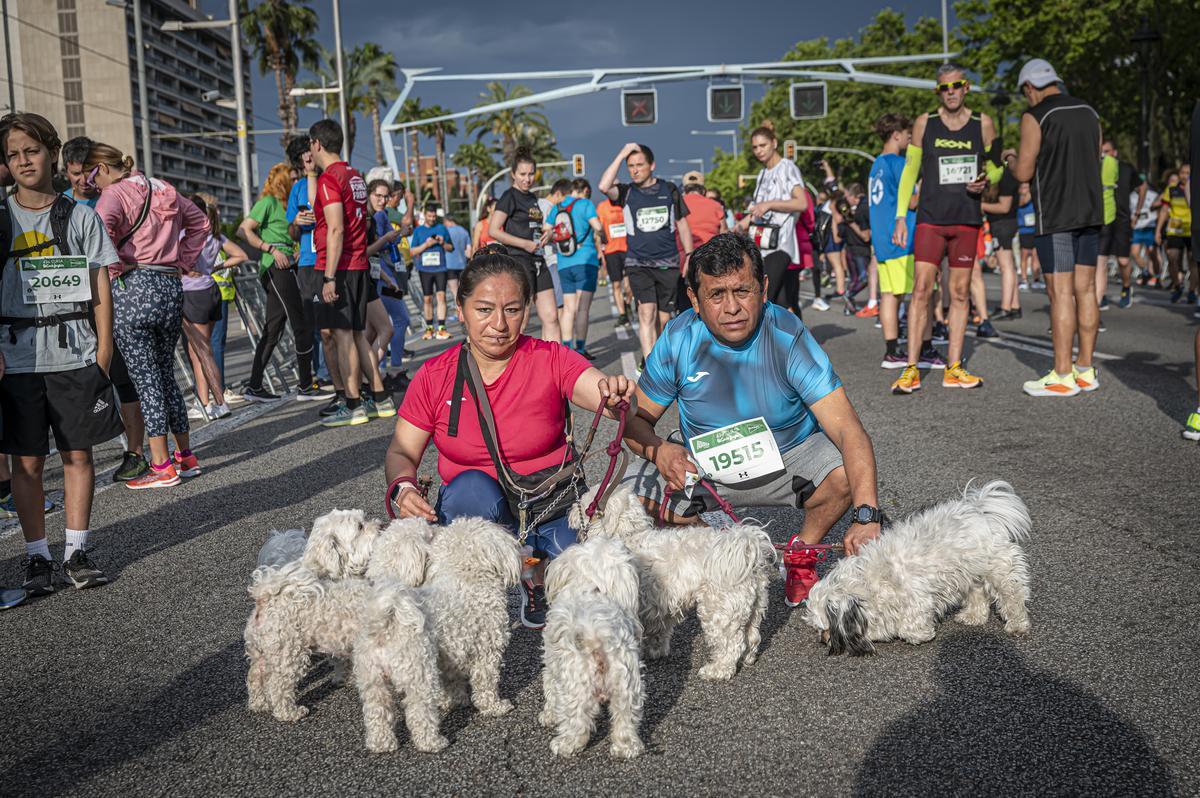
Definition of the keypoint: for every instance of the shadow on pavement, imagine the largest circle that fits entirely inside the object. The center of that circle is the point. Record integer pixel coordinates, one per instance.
(1169, 385)
(1001, 727)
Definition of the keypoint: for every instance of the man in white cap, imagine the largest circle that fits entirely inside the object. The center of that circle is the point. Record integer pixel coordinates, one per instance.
(1060, 157)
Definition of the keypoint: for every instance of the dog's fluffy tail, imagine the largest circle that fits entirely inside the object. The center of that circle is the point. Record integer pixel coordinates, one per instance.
(292, 577)
(282, 547)
(394, 611)
(737, 552)
(1006, 514)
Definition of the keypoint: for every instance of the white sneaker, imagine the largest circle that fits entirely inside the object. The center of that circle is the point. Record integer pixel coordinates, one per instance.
(196, 413)
(819, 304)
(232, 398)
(219, 410)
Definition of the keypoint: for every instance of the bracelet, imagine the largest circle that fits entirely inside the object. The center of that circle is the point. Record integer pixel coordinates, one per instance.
(397, 487)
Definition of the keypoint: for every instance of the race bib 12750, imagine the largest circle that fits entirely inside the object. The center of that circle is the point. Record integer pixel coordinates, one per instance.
(650, 220)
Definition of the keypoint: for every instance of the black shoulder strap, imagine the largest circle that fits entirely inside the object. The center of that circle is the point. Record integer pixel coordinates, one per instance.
(460, 377)
(141, 216)
(60, 222)
(5, 230)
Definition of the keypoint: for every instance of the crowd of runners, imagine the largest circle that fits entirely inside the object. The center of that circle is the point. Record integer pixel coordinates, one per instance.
(103, 280)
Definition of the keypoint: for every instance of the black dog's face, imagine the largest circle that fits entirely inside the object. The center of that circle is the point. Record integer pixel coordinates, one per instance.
(846, 630)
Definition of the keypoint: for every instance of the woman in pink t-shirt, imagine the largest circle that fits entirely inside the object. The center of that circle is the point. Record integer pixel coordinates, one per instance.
(528, 383)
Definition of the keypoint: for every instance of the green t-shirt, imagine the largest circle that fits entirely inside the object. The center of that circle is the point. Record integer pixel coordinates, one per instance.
(272, 228)
(1109, 174)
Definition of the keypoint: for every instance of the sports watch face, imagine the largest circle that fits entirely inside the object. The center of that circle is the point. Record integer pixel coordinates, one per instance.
(864, 514)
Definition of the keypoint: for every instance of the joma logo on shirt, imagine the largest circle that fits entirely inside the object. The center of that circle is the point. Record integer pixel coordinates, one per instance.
(953, 144)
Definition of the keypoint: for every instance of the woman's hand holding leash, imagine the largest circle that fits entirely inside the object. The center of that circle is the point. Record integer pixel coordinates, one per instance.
(406, 499)
(616, 389)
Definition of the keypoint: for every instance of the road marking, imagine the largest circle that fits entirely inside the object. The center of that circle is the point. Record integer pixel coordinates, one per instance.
(621, 333)
(1039, 345)
(629, 365)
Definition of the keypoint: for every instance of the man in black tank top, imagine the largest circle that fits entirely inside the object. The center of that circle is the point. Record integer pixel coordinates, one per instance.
(947, 153)
(1060, 156)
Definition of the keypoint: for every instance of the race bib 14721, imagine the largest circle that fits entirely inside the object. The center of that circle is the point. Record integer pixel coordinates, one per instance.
(956, 169)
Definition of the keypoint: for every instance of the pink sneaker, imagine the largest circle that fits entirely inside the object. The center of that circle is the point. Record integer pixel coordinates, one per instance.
(187, 466)
(166, 477)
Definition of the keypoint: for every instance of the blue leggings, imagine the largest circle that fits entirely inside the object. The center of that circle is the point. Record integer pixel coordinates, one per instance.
(476, 493)
(398, 312)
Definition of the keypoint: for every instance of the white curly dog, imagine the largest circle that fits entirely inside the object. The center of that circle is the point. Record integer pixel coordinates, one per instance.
(723, 573)
(592, 648)
(962, 553)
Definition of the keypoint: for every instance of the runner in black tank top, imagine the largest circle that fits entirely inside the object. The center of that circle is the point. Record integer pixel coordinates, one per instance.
(947, 154)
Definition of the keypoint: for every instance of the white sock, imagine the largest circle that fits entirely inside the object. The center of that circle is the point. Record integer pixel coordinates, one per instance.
(76, 539)
(37, 547)
(872, 303)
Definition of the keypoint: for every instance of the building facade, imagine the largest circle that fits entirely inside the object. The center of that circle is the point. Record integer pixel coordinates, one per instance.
(75, 62)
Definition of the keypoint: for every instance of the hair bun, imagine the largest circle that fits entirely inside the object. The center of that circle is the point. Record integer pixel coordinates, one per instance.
(127, 162)
(768, 124)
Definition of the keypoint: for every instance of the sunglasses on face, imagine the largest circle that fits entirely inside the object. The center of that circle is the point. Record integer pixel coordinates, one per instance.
(955, 85)
(90, 180)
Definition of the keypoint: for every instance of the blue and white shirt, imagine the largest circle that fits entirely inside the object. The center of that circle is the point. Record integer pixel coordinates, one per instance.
(883, 188)
(778, 374)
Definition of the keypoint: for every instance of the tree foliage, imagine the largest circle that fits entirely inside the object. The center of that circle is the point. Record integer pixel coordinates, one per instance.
(513, 127)
(282, 34)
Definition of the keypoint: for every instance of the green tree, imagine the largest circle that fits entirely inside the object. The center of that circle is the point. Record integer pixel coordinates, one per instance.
(370, 80)
(438, 132)
(476, 158)
(282, 35)
(1089, 45)
(514, 126)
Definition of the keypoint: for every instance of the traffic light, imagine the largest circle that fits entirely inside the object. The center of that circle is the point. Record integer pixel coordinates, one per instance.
(639, 107)
(809, 100)
(725, 104)
(789, 149)
(741, 181)
(577, 166)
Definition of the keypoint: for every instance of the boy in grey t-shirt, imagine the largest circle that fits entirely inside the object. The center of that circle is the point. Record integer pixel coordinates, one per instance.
(56, 342)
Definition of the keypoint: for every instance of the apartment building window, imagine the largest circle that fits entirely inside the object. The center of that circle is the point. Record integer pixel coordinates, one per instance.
(68, 37)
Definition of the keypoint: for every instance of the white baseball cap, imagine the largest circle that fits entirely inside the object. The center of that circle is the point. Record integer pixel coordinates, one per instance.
(1038, 73)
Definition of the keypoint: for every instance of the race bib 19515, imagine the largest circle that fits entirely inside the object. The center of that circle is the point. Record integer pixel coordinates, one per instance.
(55, 279)
(956, 169)
(738, 452)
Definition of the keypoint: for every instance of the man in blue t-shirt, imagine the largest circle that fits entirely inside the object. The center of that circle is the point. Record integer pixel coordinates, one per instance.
(456, 259)
(429, 244)
(654, 211)
(578, 261)
(896, 264)
(74, 154)
(764, 417)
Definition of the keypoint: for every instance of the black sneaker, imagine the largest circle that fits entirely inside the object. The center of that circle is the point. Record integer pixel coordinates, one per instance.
(941, 334)
(132, 467)
(80, 571)
(533, 605)
(586, 354)
(39, 575)
(311, 394)
(332, 407)
(623, 319)
(986, 330)
(259, 395)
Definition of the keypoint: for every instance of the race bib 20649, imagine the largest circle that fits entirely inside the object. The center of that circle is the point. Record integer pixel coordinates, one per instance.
(55, 279)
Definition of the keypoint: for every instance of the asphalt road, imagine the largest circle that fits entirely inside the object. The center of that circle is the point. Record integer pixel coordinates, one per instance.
(138, 687)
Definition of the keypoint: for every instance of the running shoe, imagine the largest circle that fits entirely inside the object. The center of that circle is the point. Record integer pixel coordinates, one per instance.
(819, 304)
(1177, 294)
(1191, 430)
(1023, 286)
(132, 466)
(81, 571)
(427, 335)
(1039, 285)
(311, 394)
(216, 411)
(232, 397)
(259, 395)
(894, 361)
(8, 508)
(385, 408)
(1103, 304)
(931, 359)
(441, 334)
(986, 330)
(641, 365)
(586, 354)
(955, 376)
(941, 335)
(533, 605)
(368, 404)
(196, 412)
(1153, 282)
(331, 408)
(869, 312)
(1191, 297)
(1052, 385)
(39, 575)
(345, 417)
(623, 319)
(799, 575)
(154, 478)
(186, 466)
(1086, 379)
(12, 597)
(909, 381)
(1126, 300)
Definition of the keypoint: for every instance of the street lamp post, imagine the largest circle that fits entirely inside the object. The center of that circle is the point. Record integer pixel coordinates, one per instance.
(12, 89)
(1144, 38)
(337, 46)
(147, 162)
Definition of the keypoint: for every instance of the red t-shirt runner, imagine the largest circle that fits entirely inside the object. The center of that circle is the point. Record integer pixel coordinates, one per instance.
(342, 183)
(527, 401)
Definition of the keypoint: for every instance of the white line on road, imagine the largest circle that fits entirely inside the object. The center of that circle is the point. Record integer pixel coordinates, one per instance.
(629, 365)
(1040, 345)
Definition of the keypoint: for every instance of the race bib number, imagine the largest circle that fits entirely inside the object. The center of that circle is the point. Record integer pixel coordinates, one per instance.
(1030, 220)
(55, 279)
(650, 220)
(739, 452)
(956, 169)
(431, 257)
(616, 230)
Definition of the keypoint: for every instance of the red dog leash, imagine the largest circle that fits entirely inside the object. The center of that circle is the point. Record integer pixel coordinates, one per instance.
(614, 453)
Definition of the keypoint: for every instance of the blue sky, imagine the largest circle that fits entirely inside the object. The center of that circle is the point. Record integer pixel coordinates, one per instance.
(471, 36)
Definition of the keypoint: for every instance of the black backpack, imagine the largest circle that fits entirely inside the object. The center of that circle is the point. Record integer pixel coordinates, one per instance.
(822, 232)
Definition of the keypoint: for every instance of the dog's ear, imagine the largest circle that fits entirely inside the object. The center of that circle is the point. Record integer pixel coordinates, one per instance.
(848, 629)
(323, 554)
(625, 581)
(361, 544)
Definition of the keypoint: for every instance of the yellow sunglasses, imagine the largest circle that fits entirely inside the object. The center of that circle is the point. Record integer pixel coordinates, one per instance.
(952, 86)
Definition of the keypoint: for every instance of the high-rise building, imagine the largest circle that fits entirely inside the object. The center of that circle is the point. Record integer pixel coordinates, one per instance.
(75, 62)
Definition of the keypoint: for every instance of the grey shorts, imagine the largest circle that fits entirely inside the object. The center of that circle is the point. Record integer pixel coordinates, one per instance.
(804, 469)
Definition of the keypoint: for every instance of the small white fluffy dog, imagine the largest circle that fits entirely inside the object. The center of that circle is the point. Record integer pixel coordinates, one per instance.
(282, 547)
(592, 647)
(723, 573)
(340, 544)
(961, 553)
(396, 651)
(464, 570)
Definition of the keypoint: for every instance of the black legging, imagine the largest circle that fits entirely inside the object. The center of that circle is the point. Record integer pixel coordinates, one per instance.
(283, 304)
(776, 266)
(791, 290)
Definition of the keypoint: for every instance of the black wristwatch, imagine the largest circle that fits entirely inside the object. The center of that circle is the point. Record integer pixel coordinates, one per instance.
(328, 280)
(866, 514)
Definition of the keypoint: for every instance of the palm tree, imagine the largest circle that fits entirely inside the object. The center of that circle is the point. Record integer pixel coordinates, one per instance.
(281, 32)
(377, 72)
(476, 158)
(438, 132)
(411, 111)
(512, 126)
